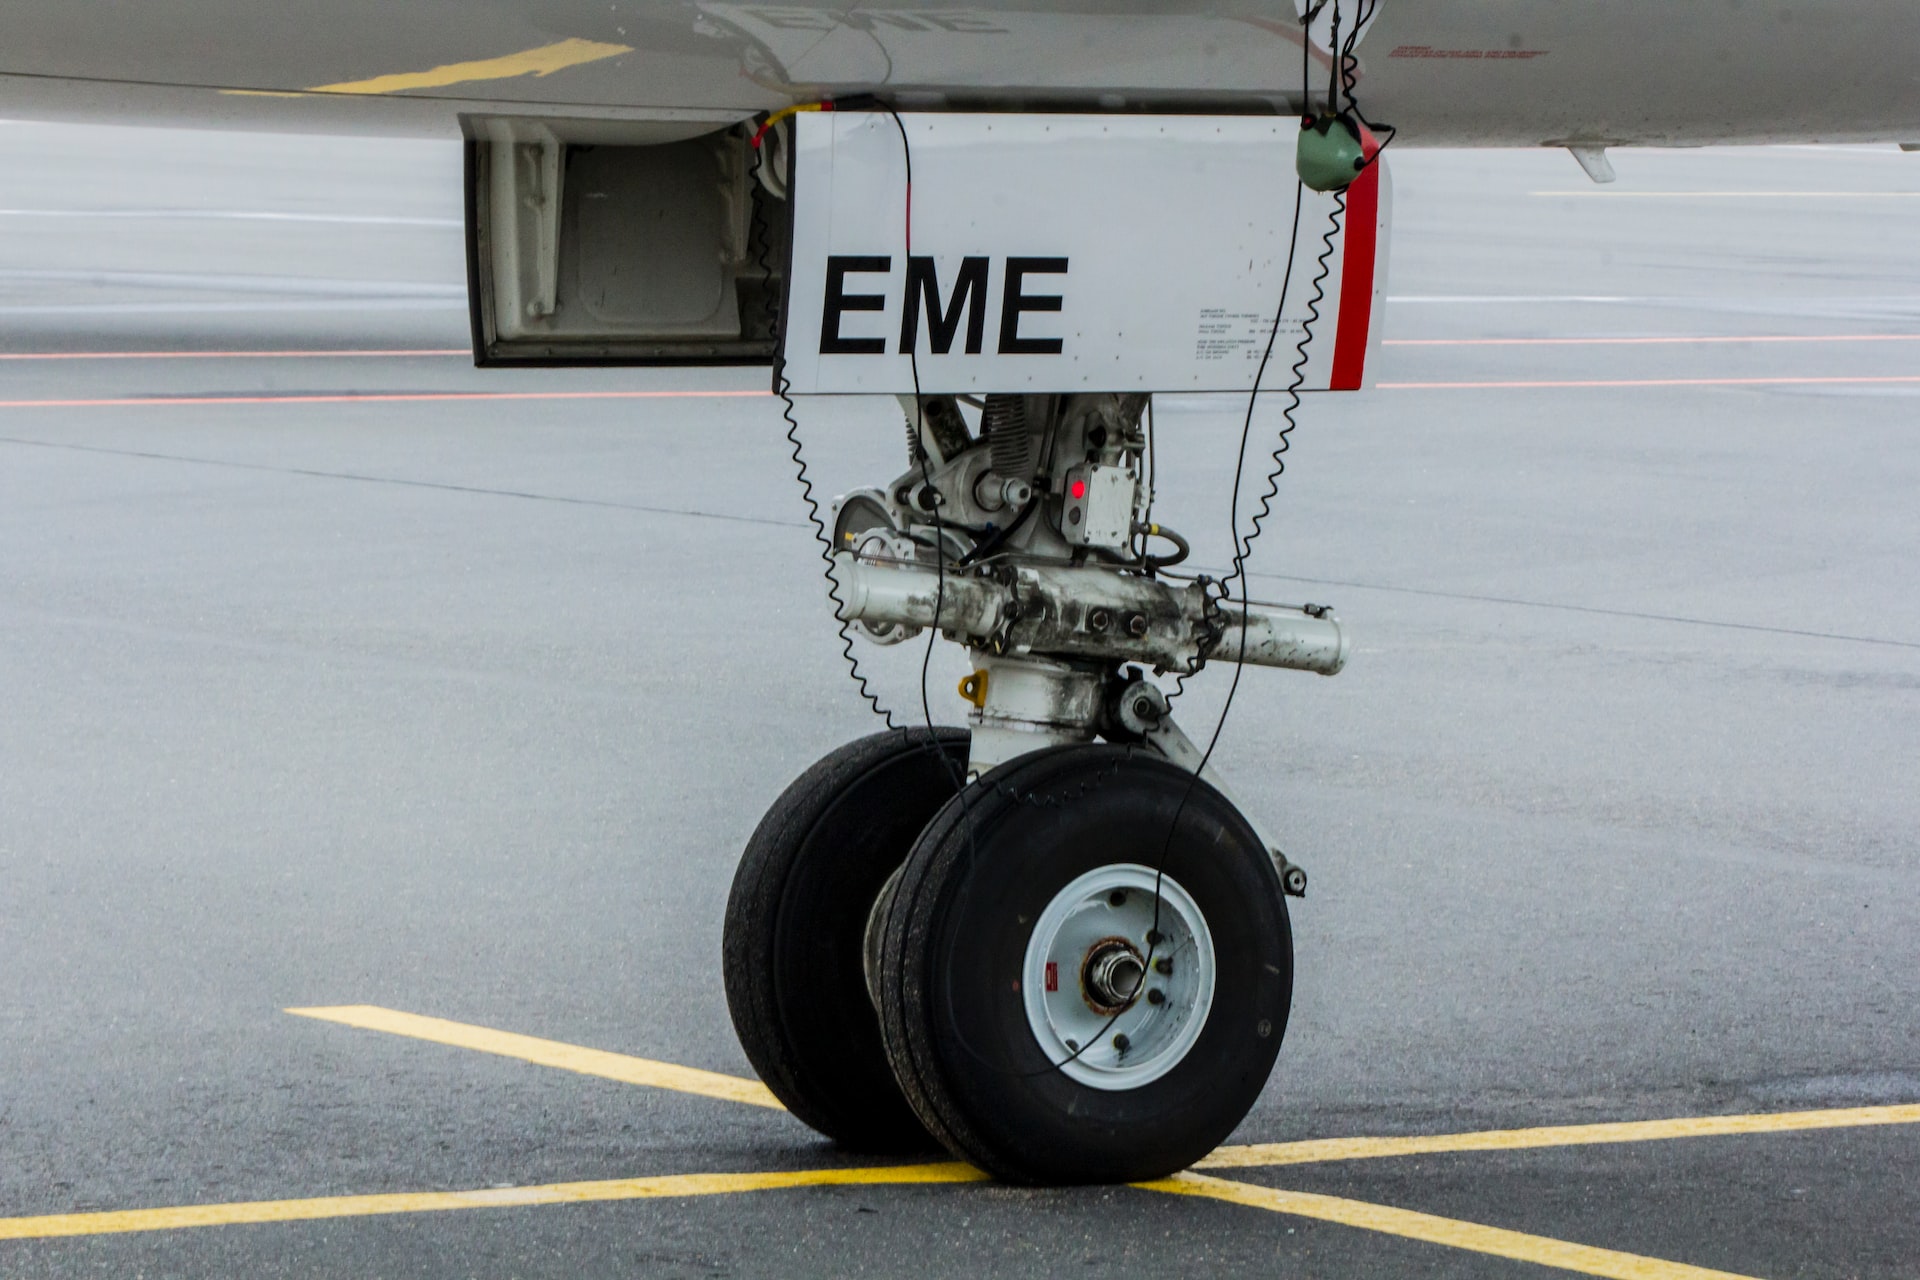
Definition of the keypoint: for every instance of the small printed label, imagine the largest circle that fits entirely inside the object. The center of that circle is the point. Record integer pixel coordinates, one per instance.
(1053, 976)
(1225, 335)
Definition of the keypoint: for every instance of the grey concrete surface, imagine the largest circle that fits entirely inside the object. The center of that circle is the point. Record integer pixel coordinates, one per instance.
(466, 707)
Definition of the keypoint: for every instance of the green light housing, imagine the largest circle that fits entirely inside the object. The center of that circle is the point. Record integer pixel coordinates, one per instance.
(1331, 153)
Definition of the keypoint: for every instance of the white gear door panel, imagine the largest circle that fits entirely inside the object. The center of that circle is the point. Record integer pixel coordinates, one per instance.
(1054, 253)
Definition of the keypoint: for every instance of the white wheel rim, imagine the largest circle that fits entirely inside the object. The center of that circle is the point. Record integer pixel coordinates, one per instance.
(1095, 927)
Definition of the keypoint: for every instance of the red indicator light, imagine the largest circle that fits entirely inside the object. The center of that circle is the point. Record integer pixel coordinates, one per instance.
(1078, 489)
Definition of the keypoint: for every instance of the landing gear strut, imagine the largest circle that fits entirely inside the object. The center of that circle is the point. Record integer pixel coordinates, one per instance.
(1045, 941)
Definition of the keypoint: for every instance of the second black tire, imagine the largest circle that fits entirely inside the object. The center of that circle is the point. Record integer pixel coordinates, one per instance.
(796, 925)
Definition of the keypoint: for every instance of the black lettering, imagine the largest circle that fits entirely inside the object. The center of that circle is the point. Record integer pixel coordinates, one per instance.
(1013, 301)
(965, 23)
(898, 21)
(839, 300)
(792, 20)
(923, 289)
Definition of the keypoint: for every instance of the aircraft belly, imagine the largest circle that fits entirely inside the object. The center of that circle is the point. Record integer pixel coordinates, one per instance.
(1521, 72)
(1645, 72)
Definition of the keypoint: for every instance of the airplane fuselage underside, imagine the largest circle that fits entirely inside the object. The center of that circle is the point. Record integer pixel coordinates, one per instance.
(1507, 73)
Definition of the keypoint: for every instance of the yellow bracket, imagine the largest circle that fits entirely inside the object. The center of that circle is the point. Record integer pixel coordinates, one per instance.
(974, 688)
(782, 114)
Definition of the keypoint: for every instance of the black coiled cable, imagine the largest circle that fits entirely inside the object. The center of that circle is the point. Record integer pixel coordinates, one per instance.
(763, 252)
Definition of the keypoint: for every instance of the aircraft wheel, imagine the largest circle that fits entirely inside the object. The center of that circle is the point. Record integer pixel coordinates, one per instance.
(1049, 1020)
(793, 954)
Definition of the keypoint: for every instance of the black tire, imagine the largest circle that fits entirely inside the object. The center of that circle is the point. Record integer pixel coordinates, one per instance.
(796, 923)
(955, 942)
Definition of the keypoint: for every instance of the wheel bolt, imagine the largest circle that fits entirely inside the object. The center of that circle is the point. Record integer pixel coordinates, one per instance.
(1156, 996)
(1121, 1043)
(1163, 966)
(1155, 937)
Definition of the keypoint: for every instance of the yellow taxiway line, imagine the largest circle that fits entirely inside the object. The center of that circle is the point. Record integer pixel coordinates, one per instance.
(1472, 1236)
(549, 1053)
(1469, 1236)
(1362, 1215)
(673, 1185)
(1318, 1150)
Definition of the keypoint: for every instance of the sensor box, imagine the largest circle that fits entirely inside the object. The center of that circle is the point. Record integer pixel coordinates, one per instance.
(1098, 511)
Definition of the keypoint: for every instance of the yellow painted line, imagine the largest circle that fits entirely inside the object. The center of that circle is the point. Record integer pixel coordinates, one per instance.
(686, 1184)
(544, 61)
(1497, 1241)
(549, 1053)
(1327, 1149)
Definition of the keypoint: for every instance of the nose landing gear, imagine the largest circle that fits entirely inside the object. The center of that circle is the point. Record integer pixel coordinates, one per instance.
(1066, 959)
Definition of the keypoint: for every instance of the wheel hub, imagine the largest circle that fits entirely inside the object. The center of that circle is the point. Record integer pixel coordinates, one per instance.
(1112, 974)
(1118, 980)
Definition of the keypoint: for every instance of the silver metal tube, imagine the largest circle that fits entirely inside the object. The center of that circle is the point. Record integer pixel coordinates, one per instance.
(1083, 612)
(1277, 637)
(915, 596)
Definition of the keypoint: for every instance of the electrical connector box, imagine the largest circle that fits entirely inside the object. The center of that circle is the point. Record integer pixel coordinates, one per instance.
(1098, 511)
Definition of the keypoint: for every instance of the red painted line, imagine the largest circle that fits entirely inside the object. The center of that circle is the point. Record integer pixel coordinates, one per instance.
(1647, 382)
(1356, 281)
(1633, 342)
(374, 397)
(224, 355)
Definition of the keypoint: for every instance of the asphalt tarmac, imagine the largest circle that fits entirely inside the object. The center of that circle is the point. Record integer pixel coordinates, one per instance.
(318, 698)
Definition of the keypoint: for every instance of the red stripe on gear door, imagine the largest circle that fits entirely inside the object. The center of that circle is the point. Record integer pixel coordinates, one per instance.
(1356, 281)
